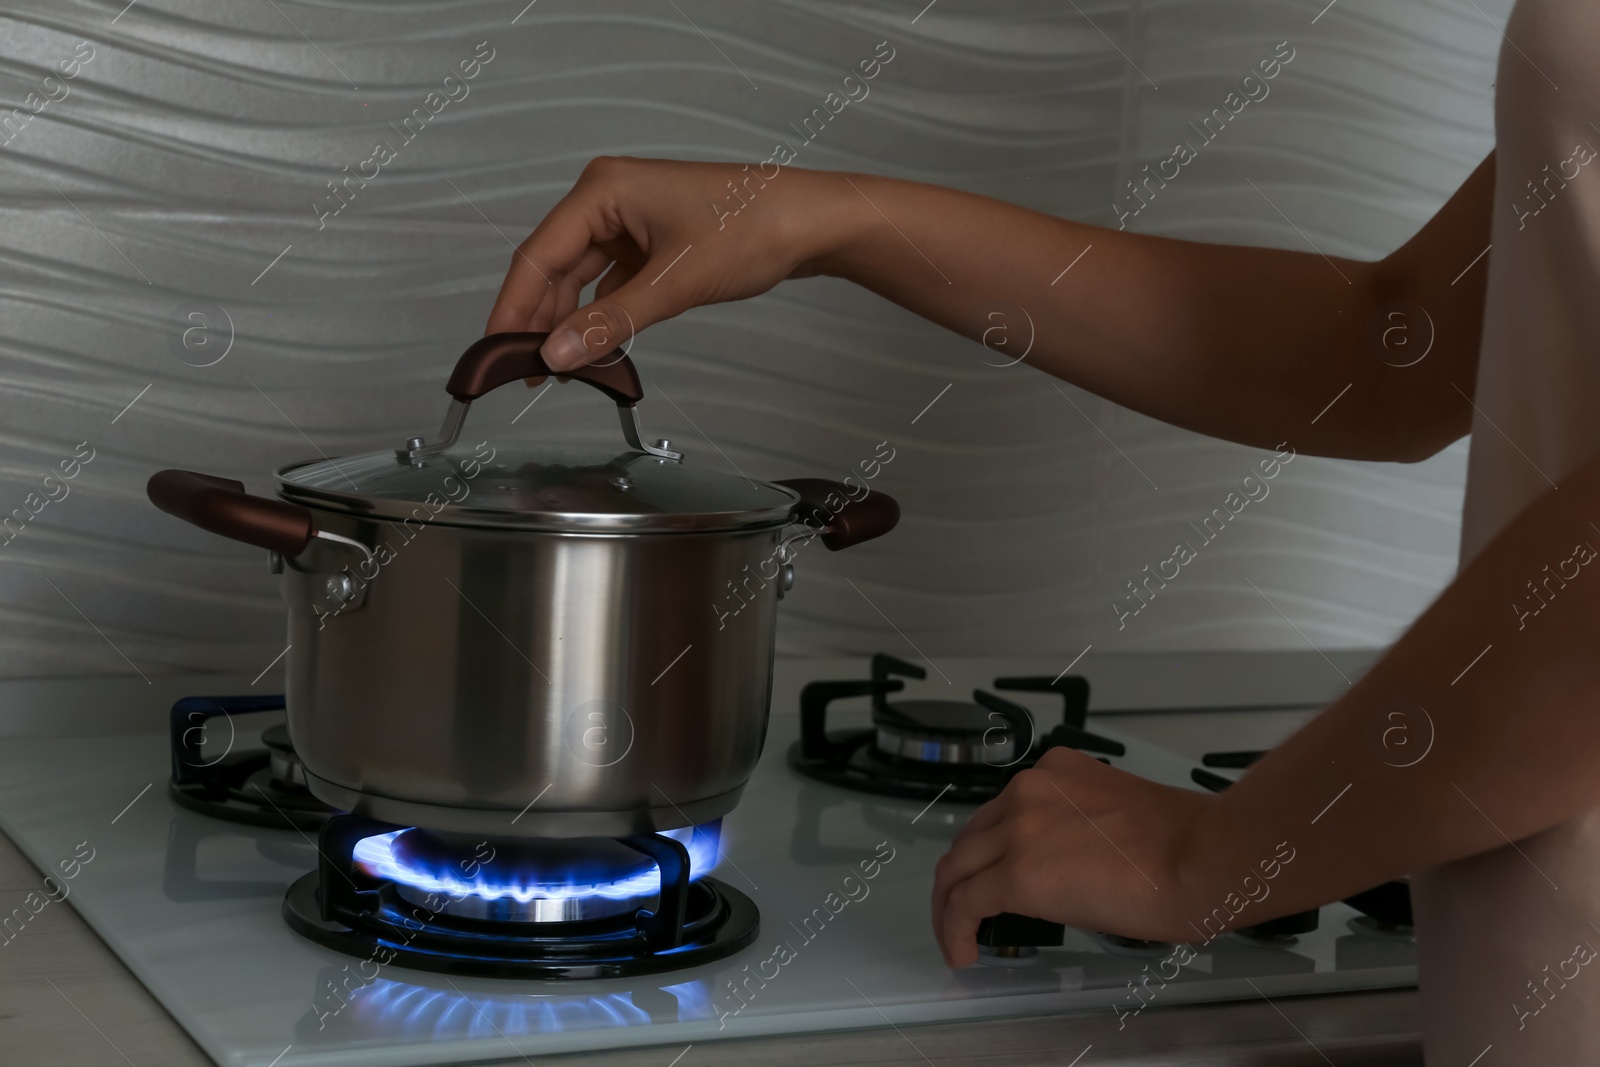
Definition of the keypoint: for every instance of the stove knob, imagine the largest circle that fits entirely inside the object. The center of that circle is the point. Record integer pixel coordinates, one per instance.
(1008, 940)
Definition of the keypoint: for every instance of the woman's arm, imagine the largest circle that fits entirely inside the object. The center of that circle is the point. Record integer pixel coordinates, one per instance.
(1247, 344)
(1495, 693)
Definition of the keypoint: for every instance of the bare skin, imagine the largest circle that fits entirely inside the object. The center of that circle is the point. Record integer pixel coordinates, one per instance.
(1247, 344)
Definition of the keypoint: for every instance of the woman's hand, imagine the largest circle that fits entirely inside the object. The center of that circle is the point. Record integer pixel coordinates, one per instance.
(1076, 842)
(667, 236)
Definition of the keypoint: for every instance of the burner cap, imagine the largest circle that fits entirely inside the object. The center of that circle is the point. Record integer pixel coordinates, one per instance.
(945, 731)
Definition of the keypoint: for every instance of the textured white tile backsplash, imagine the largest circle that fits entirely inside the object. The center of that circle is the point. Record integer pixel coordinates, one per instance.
(190, 151)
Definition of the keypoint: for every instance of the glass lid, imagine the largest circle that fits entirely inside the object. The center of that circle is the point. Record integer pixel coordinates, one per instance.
(542, 489)
(647, 487)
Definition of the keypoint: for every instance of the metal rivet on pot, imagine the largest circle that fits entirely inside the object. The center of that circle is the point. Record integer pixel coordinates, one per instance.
(414, 443)
(663, 443)
(340, 587)
(621, 482)
(275, 562)
(785, 579)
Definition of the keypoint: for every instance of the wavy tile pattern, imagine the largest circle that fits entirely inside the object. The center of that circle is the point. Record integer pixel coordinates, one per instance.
(188, 154)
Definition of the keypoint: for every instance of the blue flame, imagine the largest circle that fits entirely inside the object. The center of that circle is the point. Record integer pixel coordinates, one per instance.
(376, 855)
(422, 1012)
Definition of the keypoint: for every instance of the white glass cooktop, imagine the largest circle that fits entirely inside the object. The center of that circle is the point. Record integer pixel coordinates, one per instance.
(191, 905)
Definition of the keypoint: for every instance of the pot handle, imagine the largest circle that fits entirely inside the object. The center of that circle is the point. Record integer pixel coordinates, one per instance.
(841, 519)
(221, 506)
(499, 358)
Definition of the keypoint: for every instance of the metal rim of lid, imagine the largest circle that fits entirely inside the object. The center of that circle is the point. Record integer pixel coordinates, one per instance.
(363, 506)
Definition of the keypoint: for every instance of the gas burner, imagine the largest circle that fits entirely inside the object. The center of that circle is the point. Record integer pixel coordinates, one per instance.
(551, 879)
(260, 787)
(936, 748)
(943, 731)
(520, 908)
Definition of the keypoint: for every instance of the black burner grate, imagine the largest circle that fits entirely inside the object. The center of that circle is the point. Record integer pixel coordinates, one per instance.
(342, 907)
(238, 786)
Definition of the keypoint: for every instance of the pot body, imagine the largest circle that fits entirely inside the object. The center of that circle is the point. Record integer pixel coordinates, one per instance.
(528, 683)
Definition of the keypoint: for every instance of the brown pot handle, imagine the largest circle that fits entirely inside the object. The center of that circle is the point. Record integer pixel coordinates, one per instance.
(221, 506)
(843, 520)
(500, 358)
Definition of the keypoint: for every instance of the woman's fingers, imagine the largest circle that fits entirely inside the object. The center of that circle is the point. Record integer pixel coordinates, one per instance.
(562, 298)
(990, 814)
(524, 289)
(556, 246)
(521, 294)
(613, 320)
(988, 892)
(964, 860)
(619, 275)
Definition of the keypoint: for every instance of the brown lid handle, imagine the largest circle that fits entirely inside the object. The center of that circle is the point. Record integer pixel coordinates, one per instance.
(842, 513)
(221, 506)
(499, 358)
(492, 361)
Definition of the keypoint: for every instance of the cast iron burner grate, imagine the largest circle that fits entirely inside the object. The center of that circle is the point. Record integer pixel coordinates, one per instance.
(259, 787)
(927, 748)
(342, 907)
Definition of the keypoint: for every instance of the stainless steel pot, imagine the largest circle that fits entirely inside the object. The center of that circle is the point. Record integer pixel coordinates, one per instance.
(529, 643)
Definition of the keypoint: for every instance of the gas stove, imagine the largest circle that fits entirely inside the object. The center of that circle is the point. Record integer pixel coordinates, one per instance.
(277, 931)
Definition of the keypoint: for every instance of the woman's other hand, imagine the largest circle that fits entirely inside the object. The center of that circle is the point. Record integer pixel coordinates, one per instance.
(1073, 841)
